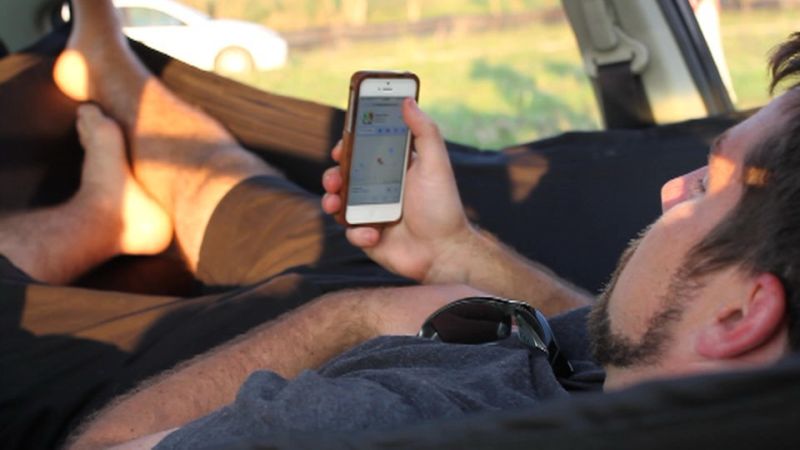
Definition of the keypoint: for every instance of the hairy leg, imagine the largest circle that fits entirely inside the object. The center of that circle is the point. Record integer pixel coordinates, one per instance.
(109, 215)
(185, 159)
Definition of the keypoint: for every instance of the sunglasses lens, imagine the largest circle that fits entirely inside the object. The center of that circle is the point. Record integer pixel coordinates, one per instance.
(477, 320)
(471, 323)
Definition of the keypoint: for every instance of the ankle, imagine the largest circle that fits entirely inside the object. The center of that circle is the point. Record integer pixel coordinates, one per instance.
(99, 221)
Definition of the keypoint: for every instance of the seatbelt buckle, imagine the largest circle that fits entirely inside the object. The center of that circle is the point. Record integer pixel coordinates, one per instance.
(610, 45)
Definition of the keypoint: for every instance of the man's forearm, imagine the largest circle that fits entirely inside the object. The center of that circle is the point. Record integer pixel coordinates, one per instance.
(286, 346)
(485, 263)
(302, 339)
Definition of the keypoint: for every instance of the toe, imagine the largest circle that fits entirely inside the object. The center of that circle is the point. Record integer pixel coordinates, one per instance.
(87, 110)
(88, 115)
(91, 115)
(95, 129)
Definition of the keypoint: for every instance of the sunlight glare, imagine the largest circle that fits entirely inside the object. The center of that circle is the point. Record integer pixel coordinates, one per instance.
(71, 75)
(756, 176)
(723, 167)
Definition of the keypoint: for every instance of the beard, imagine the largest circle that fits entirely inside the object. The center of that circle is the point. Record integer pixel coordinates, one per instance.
(610, 348)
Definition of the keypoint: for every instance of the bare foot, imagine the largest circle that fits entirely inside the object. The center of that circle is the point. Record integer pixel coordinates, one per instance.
(95, 48)
(183, 158)
(108, 185)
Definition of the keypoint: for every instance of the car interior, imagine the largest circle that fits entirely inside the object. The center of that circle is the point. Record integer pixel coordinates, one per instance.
(571, 202)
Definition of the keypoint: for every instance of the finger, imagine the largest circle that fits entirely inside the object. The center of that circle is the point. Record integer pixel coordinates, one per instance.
(331, 203)
(336, 153)
(428, 140)
(363, 237)
(332, 180)
(87, 112)
(89, 109)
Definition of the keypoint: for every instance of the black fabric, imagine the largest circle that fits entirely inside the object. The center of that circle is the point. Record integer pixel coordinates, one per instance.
(3, 49)
(623, 99)
(574, 201)
(11, 273)
(397, 380)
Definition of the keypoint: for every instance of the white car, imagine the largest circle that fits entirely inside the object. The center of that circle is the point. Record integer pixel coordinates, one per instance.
(225, 46)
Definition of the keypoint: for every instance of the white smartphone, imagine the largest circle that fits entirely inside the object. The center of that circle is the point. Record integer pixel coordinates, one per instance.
(377, 144)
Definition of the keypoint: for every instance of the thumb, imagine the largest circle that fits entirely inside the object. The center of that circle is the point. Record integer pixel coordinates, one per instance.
(428, 142)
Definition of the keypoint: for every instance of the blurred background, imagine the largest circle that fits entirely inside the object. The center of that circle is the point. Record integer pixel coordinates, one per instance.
(494, 72)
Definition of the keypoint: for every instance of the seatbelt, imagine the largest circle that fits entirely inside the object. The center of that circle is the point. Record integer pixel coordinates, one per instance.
(615, 61)
(622, 97)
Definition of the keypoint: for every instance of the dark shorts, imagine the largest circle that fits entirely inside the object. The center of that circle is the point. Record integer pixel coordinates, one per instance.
(267, 225)
(11, 273)
(66, 351)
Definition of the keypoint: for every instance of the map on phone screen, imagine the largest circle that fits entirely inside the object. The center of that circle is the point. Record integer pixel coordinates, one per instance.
(377, 165)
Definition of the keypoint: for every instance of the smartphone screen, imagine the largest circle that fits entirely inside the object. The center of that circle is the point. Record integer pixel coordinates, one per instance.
(376, 173)
(380, 149)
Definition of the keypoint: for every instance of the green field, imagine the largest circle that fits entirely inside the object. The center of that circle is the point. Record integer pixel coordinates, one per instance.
(496, 89)
(489, 90)
(295, 15)
(747, 40)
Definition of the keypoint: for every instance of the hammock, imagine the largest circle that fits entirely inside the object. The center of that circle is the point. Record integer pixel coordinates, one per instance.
(571, 202)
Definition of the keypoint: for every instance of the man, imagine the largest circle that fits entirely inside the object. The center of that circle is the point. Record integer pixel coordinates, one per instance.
(692, 296)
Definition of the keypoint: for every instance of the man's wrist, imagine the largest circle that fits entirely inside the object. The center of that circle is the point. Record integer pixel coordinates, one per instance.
(454, 258)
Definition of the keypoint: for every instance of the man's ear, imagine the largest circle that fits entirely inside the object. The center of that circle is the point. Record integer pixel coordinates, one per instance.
(744, 326)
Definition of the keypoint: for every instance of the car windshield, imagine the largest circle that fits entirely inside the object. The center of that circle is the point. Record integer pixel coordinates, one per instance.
(494, 73)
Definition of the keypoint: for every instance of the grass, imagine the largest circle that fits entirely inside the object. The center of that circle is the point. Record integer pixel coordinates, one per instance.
(500, 88)
(747, 40)
(491, 90)
(295, 15)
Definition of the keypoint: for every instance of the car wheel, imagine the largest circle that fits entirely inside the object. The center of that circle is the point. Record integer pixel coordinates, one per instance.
(234, 61)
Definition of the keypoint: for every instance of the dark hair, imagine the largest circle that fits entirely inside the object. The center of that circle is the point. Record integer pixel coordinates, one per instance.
(784, 63)
(762, 232)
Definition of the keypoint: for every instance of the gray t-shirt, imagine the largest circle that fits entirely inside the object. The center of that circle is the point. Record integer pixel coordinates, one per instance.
(395, 380)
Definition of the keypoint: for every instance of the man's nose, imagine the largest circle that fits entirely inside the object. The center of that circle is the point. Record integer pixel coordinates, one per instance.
(680, 189)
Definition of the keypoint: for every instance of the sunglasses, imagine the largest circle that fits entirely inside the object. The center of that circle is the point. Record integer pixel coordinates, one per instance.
(478, 320)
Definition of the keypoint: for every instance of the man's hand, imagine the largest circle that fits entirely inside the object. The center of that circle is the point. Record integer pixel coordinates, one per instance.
(433, 225)
(435, 244)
